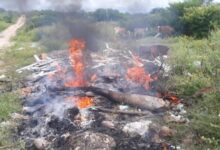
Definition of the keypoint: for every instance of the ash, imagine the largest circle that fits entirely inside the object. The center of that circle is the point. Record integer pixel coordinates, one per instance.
(52, 121)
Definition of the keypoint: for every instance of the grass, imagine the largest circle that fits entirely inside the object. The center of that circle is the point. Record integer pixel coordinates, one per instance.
(196, 66)
(3, 25)
(20, 54)
(9, 103)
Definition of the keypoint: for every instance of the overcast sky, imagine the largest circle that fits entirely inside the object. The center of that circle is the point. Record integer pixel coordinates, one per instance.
(88, 5)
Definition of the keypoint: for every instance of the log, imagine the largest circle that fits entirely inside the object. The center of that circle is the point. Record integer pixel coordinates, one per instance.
(136, 100)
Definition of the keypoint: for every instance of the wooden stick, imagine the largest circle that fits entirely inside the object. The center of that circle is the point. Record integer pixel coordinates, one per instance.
(139, 113)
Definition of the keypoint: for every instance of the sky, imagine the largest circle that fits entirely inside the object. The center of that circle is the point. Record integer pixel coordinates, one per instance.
(134, 6)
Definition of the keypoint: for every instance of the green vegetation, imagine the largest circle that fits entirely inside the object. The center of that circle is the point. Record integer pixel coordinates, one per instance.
(22, 51)
(195, 77)
(194, 58)
(9, 103)
(20, 54)
(199, 21)
(6, 18)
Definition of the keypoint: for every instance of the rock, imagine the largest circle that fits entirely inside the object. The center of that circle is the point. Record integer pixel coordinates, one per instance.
(166, 132)
(108, 124)
(90, 94)
(91, 141)
(40, 143)
(137, 128)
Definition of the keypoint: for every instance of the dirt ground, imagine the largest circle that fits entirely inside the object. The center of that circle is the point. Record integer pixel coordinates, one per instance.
(10, 32)
(7, 35)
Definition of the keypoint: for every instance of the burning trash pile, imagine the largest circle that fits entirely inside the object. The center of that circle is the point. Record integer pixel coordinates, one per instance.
(104, 100)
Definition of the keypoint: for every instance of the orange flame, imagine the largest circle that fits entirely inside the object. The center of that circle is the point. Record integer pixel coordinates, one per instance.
(81, 102)
(174, 99)
(171, 97)
(76, 57)
(84, 102)
(138, 75)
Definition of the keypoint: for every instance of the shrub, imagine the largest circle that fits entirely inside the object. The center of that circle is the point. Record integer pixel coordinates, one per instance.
(195, 66)
(199, 21)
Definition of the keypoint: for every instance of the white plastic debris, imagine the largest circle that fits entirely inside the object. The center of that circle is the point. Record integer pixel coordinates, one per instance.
(123, 107)
(137, 128)
(2, 76)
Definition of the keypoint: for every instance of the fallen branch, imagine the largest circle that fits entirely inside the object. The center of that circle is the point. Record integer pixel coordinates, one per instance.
(136, 100)
(139, 113)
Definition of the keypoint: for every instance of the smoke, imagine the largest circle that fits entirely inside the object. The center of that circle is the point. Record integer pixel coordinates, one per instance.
(69, 26)
(65, 5)
(133, 6)
(27, 5)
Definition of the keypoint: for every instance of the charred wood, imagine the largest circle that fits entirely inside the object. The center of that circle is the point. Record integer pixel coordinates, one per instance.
(140, 101)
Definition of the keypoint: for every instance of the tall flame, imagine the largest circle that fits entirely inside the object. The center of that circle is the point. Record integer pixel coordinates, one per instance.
(76, 57)
(76, 48)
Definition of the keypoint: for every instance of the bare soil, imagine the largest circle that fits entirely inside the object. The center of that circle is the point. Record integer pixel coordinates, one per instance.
(10, 32)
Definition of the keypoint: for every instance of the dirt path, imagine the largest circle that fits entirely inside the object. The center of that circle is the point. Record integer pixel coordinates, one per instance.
(10, 32)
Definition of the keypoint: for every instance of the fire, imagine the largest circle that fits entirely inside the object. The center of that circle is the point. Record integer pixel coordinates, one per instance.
(76, 57)
(172, 98)
(81, 102)
(84, 102)
(76, 48)
(138, 74)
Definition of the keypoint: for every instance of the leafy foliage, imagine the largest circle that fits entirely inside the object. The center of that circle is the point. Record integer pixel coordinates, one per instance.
(199, 21)
(195, 67)
(7, 18)
(107, 15)
(9, 104)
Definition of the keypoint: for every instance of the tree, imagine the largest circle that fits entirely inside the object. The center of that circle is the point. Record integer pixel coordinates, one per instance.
(199, 21)
(107, 15)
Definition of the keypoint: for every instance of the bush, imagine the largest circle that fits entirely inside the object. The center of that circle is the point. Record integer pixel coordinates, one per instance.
(195, 66)
(199, 21)
(6, 18)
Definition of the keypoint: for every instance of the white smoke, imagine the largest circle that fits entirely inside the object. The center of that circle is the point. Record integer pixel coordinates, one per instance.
(134, 6)
(87, 5)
